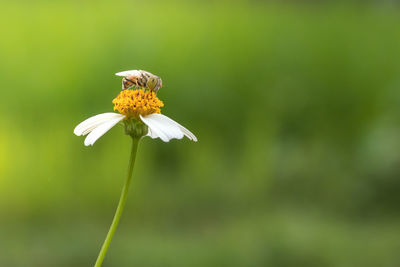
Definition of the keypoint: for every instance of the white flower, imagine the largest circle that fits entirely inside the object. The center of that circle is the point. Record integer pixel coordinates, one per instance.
(159, 126)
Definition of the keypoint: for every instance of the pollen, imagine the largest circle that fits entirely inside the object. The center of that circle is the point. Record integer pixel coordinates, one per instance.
(133, 103)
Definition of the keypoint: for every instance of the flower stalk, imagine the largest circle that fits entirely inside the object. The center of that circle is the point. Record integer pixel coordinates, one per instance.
(121, 204)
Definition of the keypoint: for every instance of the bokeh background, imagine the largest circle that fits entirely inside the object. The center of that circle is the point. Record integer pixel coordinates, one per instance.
(295, 105)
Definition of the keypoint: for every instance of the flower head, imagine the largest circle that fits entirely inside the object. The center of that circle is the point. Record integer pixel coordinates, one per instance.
(140, 110)
(133, 103)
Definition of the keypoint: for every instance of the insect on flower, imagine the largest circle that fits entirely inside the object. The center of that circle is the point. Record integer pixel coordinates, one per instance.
(140, 113)
(140, 78)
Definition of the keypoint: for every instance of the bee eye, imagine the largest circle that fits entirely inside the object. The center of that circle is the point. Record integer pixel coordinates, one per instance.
(151, 83)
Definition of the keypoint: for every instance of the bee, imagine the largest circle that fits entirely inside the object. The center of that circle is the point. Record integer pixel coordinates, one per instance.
(140, 78)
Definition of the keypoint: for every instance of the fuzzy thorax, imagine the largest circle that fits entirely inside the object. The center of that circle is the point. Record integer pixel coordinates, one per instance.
(133, 103)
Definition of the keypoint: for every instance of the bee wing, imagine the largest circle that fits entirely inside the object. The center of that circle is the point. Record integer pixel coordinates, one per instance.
(128, 73)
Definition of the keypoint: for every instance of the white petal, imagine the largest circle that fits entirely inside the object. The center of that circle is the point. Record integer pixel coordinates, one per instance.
(171, 130)
(166, 119)
(154, 129)
(151, 134)
(128, 73)
(100, 130)
(88, 125)
(168, 127)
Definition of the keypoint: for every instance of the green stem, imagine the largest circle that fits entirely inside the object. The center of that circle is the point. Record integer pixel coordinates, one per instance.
(121, 205)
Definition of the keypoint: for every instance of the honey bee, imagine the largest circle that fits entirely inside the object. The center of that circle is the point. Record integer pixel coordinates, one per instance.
(140, 78)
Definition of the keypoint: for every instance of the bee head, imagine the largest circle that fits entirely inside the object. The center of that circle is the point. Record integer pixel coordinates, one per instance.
(154, 83)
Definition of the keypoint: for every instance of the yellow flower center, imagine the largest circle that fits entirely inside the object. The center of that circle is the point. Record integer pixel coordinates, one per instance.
(133, 103)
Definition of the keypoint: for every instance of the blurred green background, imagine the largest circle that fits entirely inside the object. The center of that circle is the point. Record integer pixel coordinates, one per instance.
(295, 105)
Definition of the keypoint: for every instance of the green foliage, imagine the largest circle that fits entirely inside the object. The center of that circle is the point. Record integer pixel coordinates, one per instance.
(295, 108)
